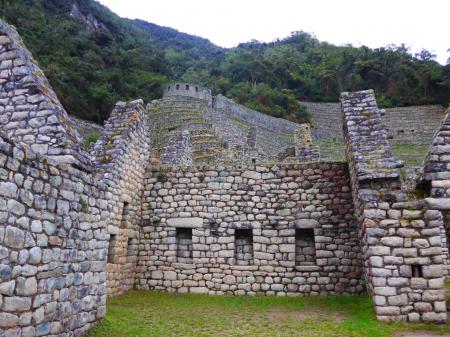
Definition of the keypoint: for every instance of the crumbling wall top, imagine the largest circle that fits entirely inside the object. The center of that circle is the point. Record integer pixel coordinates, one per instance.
(367, 143)
(436, 169)
(124, 121)
(31, 113)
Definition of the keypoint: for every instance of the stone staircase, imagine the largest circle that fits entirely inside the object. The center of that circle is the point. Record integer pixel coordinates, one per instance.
(184, 113)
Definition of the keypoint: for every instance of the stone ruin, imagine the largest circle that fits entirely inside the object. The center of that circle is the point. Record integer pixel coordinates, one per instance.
(196, 194)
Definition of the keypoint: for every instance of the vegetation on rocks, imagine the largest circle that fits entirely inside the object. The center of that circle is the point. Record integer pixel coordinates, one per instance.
(95, 58)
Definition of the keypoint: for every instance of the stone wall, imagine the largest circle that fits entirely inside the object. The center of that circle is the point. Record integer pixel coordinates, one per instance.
(188, 89)
(436, 172)
(174, 115)
(404, 124)
(52, 247)
(435, 179)
(76, 227)
(243, 224)
(31, 114)
(121, 156)
(305, 150)
(258, 119)
(326, 120)
(400, 239)
(178, 149)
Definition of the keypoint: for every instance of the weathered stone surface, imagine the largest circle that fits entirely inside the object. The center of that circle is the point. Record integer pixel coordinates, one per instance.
(185, 222)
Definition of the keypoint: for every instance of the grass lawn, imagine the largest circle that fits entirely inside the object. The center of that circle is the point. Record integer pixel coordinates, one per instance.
(139, 313)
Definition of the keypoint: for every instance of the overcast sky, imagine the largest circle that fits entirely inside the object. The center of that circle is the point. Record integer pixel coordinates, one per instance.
(375, 23)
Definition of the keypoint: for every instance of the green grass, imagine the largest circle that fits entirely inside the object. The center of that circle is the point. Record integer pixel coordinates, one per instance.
(447, 286)
(331, 150)
(412, 155)
(139, 313)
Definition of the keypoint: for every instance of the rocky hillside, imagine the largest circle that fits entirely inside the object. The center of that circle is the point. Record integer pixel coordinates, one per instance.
(94, 58)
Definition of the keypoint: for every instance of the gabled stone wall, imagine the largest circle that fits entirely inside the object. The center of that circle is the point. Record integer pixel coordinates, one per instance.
(30, 112)
(401, 242)
(121, 157)
(53, 245)
(435, 179)
(436, 170)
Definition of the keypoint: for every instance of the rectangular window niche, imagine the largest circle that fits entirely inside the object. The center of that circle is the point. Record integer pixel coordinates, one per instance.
(243, 242)
(125, 215)
(305, 247)
(130, 250)
(184, 245)
(112, 251)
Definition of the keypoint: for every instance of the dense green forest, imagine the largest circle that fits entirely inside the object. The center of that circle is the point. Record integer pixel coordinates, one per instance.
(94, 58)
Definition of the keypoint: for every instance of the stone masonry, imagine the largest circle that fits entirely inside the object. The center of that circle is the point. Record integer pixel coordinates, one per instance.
(400, 238)
(404, 124)
(53, 245)
(243, 222)
(305, 149)
(31, 114)
(58, 208)
(188, 195)
(120, 156)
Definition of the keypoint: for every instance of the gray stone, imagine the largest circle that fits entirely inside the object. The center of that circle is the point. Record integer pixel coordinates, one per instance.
(14, 237)
(26, 286)
(8, 190)
(8, 320)
(185, 222)
(35, 255)
(13, 304)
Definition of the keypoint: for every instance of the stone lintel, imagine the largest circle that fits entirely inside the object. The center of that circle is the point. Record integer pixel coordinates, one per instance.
(306, 223)
(438, 204)
(185, 222)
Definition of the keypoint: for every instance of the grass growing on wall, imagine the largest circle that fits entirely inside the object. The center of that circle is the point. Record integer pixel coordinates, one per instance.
(163, 314)
(412, 155)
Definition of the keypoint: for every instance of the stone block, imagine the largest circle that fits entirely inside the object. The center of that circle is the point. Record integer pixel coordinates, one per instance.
(199, 290)
(13, 304)
(185, 222)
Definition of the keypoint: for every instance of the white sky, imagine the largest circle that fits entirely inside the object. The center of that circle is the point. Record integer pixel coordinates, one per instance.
(375, 23)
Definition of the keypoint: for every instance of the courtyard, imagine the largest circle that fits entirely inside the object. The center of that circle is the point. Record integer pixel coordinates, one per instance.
(139, 314)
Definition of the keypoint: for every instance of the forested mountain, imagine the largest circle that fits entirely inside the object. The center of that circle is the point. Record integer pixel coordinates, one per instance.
(94, 58)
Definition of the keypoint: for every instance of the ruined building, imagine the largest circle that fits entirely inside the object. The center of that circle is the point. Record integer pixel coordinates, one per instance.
(194, 193)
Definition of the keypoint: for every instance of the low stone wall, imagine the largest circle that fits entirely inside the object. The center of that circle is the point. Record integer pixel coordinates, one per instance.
(244, 225)
(53, 244)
